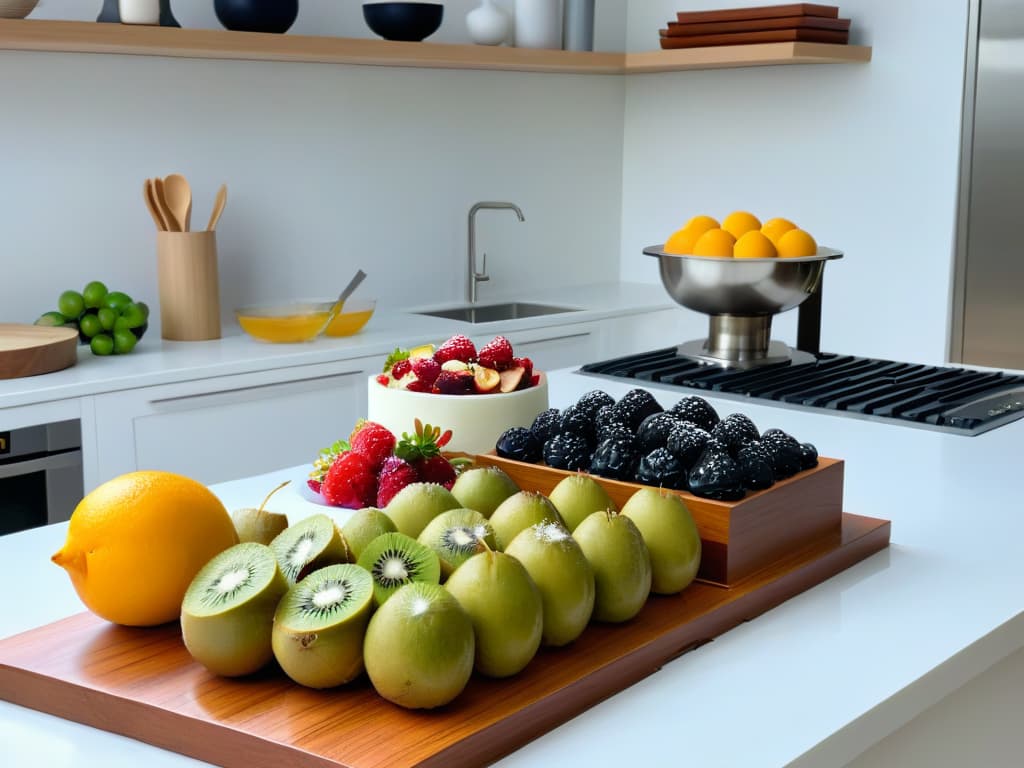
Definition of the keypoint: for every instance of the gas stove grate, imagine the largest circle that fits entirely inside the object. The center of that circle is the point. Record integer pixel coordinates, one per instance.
(950, 399)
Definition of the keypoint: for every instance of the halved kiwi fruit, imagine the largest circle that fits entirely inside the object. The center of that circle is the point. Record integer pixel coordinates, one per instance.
(311, 543)
(228, 610)
(457, 535)
(394, 560)
(364, 526)
(320, 623)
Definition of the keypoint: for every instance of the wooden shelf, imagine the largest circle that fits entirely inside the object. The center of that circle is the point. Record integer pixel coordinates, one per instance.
(91, 37)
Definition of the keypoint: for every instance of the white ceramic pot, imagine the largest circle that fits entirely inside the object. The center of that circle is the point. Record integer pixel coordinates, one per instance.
(139, 11)
(488, 24)
(538, 24)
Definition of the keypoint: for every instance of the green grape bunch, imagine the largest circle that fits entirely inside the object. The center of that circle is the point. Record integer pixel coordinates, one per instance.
(110, 322)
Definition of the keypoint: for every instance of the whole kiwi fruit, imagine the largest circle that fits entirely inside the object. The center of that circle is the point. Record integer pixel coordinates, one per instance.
(260, 525)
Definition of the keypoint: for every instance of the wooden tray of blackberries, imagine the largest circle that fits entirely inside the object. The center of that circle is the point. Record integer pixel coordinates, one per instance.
(755, 497)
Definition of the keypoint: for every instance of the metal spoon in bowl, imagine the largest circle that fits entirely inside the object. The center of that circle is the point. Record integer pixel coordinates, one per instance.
(349, 289)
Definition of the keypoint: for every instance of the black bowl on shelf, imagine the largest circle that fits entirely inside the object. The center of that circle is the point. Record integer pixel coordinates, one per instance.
(274, 16)
(410, 22)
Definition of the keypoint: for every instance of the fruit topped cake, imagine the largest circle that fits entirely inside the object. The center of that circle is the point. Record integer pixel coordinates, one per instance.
(476, 393)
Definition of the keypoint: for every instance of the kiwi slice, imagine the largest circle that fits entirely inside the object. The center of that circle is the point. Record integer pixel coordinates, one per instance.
(394, 560)
(364, 526)
(457, 535)
(311, 543)
(228, 610)
(260, 525)
(319, 626)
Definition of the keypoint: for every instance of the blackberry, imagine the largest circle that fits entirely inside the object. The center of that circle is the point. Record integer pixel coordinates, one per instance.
(518, 443)
(607, 421)
(593, 400)
(616, 458)
(756, 465)
(686, 442)
(547, 424)
(661, 468)
(716, 475)
(785, 453)
(567, 451)
(576, 420)
(635, 406)
(698, 410)
(654, 431)
(808, 456)
(735, 430)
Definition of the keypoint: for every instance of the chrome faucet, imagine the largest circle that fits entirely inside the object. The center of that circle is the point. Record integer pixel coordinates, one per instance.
(475, 277)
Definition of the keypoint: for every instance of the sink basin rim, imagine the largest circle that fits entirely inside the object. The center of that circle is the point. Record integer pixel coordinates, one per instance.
(497, 312)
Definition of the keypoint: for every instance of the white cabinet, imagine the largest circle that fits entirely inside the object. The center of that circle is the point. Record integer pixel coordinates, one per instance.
(228, 427)
(558, 346)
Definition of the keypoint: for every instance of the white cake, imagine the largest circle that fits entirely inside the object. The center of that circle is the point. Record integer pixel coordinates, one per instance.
(476, 421)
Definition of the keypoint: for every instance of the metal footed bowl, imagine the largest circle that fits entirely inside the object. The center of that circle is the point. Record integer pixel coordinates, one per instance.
(741, 287)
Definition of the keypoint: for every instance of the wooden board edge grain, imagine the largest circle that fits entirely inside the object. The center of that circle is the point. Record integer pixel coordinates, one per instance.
(754, 55)
(861, 538)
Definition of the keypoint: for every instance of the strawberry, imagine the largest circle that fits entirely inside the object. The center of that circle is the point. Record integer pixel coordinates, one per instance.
(323, 462)
(394, 475)
(350, 482)
(496, 354)
(436, 469)
(314, 485)
(383, 380)
(458, 347)
(426, 369)
(400, 369)
(373, 441)
(418, 385)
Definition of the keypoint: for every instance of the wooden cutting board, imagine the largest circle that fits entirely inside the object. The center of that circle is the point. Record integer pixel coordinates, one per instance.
(28, 350)
(757, 25)
(759, 12)
(766, 36)
(143, 684)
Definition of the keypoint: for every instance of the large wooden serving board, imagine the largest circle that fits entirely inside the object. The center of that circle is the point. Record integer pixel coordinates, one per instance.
(143, 684)
(29, 350)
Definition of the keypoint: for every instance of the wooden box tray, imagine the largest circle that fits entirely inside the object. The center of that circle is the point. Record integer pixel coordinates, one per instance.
(738, 538)
(143, 684)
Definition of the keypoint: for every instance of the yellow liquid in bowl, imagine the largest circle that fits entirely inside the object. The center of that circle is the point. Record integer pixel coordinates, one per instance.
(348, 323)
(284, 329)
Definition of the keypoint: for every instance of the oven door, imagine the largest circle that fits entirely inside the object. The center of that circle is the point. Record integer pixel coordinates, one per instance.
(41, 479)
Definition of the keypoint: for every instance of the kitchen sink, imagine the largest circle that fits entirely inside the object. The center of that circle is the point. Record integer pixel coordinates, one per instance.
(489, 313)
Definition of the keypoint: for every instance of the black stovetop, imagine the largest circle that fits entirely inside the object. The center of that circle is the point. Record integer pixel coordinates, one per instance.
(945, 398)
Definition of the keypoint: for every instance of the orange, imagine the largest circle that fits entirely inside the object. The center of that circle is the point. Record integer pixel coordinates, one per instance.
(714, 242)
(738, 223)
(753, 245)
(683, 240)
(135, 543)
(776, 228)
(796, 243)
(703, 223)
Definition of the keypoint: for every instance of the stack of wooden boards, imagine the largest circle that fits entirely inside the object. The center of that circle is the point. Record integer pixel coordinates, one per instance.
(795, 22)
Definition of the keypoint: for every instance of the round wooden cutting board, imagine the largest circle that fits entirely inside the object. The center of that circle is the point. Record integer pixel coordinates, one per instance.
(28, 350)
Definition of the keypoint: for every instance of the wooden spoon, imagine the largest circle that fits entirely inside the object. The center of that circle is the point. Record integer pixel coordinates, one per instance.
(173, 225)
(149, 195)
(179, 199)
(218, 206)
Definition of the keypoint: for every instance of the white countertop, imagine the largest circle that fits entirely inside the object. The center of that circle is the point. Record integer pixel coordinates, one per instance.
(813, 682)
(155, 361)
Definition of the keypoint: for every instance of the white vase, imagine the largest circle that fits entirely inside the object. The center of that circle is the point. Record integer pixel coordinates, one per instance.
(139, 11)
(538, 24)
(488, 24)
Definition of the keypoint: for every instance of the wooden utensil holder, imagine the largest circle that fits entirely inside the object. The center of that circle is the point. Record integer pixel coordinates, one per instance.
(189, 288)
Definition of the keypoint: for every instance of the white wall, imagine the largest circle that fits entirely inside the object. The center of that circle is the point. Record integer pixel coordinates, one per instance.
(864, 157)
(329, 168)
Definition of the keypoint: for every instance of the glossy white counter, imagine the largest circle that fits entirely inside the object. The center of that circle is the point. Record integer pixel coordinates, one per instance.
(813, 682)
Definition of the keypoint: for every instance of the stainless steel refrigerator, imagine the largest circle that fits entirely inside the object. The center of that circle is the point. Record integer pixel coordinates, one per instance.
(988, 310)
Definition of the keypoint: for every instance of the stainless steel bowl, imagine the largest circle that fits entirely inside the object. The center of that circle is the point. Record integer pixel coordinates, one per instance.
(741, 287)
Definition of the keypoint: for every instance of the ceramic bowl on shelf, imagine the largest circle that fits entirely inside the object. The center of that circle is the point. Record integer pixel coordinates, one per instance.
(298, 321)
(16, 9)
(409, 22)
(275, 16)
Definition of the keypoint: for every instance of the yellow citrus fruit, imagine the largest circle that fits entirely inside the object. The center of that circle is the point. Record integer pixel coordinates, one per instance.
(738, 223)
(776, 228)
(135, 543)
(753, 245)
(714, 242)
(683, 240)
(796, 243)
(702, 223)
